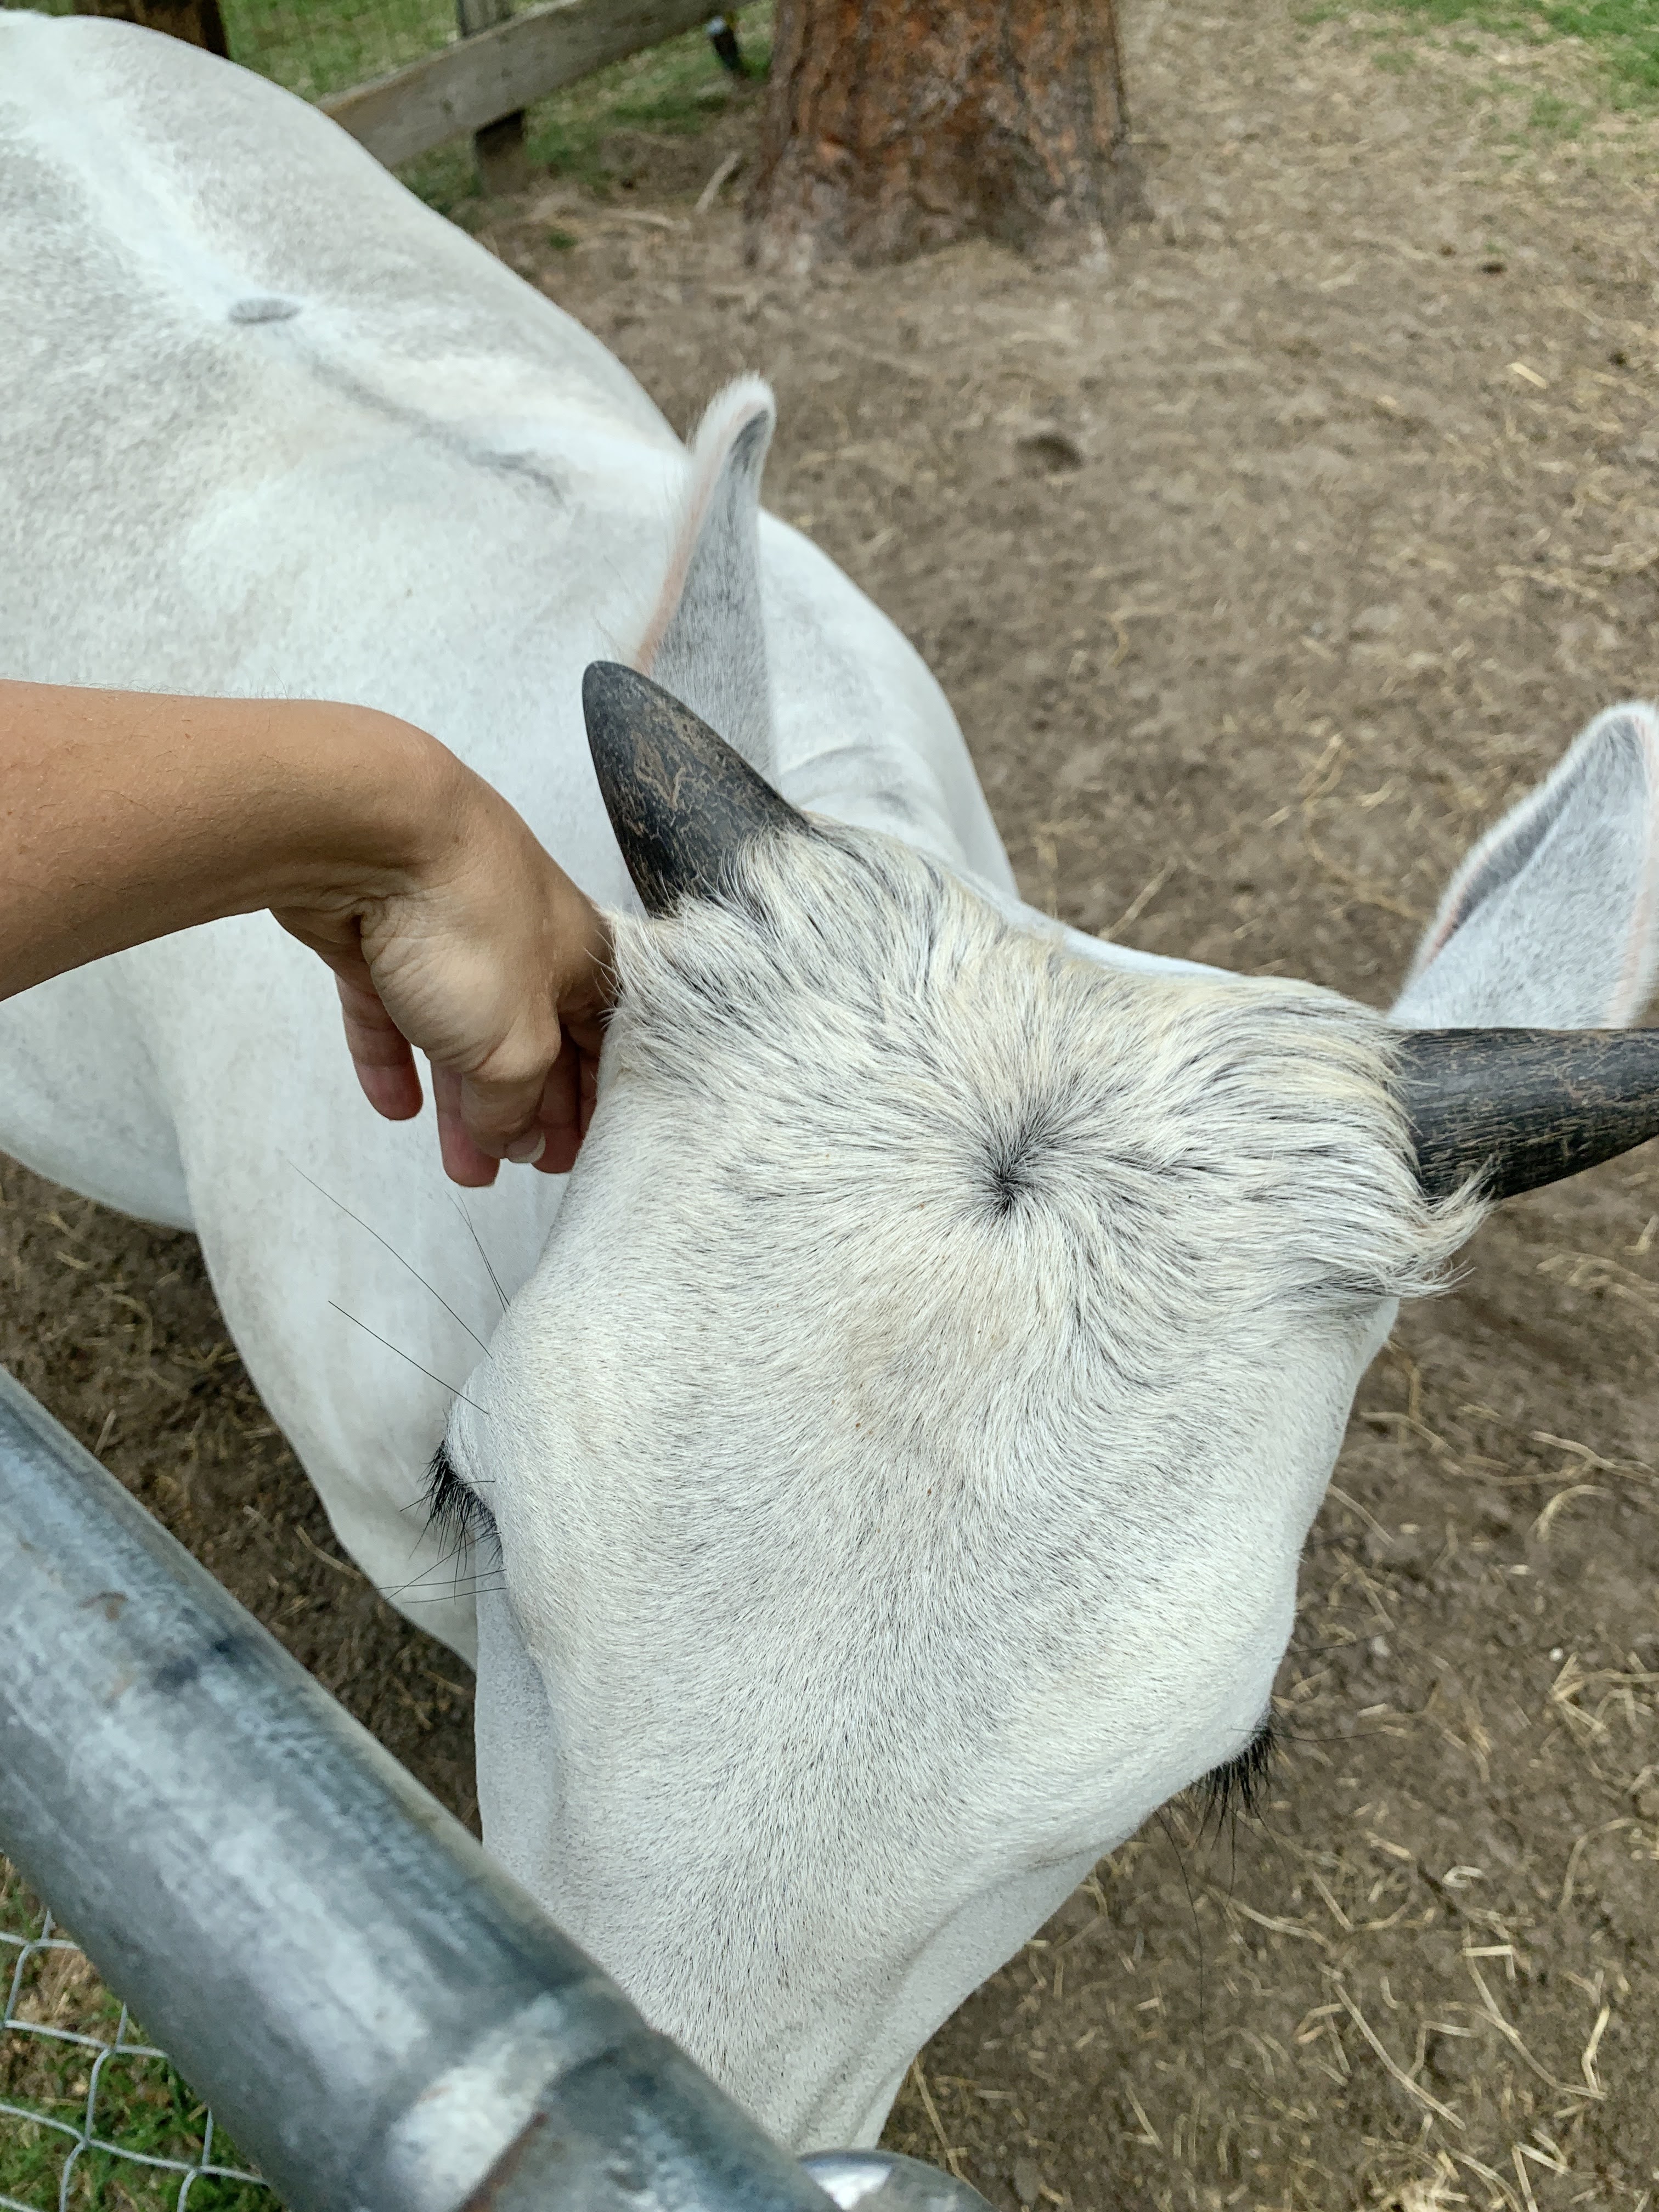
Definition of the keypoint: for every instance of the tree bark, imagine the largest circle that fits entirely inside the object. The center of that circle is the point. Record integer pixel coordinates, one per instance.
(893, 127)
(198, 23)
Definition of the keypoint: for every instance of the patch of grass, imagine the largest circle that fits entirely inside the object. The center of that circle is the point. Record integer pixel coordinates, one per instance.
(1554, 118)
(676, 87)
(86, 2094)
(315, 47)
(318, 47)
(315, 50)
(1625, 32)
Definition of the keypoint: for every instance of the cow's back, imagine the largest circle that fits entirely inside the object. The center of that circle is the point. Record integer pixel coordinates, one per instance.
(138, 167)
(272, 426)
(255, 395)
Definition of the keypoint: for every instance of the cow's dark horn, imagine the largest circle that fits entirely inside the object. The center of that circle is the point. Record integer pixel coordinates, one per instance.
(680, 800)
(1518, 1107)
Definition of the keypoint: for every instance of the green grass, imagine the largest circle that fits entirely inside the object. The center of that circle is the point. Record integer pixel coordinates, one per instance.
(139, 2102)
(316, 47)
(1552, 118)
(1625, 34)
(676, 87)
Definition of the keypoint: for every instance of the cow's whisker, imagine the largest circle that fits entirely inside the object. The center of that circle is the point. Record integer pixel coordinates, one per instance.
(413, 1362)
(489, 1265)
(1161, 1818)
(402, 1598)
(368, 1225)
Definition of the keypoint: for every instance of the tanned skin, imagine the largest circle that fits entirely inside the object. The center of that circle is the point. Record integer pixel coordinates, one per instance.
(126, 814)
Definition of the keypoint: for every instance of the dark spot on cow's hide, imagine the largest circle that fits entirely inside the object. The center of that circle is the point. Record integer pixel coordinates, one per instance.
(263, 310)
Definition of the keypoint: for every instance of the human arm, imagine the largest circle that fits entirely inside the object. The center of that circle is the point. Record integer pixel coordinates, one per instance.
(126, 814)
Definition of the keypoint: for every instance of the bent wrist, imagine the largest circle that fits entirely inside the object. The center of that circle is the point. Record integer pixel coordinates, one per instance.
(371, 807)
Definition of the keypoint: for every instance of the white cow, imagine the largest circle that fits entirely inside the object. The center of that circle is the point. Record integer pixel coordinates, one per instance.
(887, 1481)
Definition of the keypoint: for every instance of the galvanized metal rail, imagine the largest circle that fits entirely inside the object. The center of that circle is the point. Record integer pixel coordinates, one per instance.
(385, 2022)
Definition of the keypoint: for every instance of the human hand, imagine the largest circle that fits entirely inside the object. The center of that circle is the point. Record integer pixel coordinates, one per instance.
(488, 958)
(125, 815)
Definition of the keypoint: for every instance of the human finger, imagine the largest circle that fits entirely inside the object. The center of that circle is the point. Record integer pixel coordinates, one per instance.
(380, 1051)
(560, 1114)
(463, 1161)
(503, 1114)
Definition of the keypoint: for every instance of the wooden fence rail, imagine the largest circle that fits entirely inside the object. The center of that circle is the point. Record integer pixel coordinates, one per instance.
(467, 86)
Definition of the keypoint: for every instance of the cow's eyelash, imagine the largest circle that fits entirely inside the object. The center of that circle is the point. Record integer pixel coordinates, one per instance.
(1241, 1785)
(455, 1513)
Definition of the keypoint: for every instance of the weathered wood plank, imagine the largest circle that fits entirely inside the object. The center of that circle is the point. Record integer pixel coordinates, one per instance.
(464, 86)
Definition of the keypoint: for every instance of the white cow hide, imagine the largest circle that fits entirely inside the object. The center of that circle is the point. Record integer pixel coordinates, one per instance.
(889, 1479)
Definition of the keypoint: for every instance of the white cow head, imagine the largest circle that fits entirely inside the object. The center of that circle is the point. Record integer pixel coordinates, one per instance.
(900, 1459)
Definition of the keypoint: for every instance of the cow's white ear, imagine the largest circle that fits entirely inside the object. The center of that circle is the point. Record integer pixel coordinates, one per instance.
(705, 641)
(1552, 921)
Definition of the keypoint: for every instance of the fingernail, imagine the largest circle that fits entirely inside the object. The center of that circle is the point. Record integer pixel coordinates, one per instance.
(524, 1152)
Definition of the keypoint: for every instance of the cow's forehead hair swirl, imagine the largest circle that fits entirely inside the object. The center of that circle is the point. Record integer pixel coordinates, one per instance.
(849, 1022)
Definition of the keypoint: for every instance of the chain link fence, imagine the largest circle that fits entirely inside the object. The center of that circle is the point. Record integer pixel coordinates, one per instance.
(91, 2117)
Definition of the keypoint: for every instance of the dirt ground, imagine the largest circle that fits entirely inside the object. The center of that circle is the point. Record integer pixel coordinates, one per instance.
(1264, 562)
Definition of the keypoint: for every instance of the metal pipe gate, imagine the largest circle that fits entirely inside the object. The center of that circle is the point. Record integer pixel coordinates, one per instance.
(384, 2019)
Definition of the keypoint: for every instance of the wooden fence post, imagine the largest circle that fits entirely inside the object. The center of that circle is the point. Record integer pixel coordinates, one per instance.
(503, 166)
(462, 88)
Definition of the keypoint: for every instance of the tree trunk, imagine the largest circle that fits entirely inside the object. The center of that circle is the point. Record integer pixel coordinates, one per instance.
(893, 127)
(198, 23)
